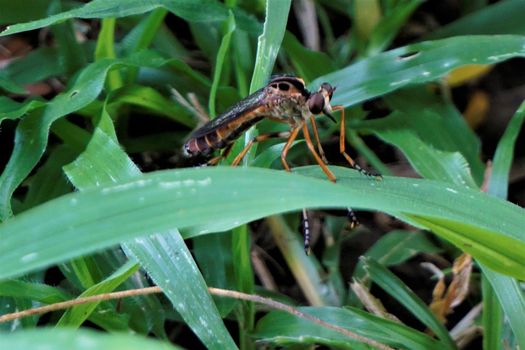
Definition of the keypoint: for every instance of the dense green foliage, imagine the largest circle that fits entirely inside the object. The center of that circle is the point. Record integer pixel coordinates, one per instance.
(77, 202)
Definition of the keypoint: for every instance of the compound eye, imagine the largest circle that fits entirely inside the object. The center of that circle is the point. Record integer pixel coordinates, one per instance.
(284, 87)
(316, 103)
(328, 88)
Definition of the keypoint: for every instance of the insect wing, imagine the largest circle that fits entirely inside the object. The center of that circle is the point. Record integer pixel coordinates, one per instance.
(238, 110)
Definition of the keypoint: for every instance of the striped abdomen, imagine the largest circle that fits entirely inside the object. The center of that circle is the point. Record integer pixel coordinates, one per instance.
(222, 135)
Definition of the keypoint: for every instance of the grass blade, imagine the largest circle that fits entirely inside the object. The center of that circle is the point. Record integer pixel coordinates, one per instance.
(285, 329)
(416, 64)
(507, 289)
(189, 10)
(398, 290)
(75, 316)
(486, 226)
(270, 41)
(219, 62)
(45, 339)
(164, 254)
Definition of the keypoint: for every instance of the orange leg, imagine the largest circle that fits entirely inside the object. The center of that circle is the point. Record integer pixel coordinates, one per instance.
(291, 138)
(318, 159)
(259, 138)
(331, 177)
(224, 154)
(342, 148)
(316, 135)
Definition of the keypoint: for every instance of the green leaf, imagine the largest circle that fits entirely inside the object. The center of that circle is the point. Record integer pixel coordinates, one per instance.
(75, 316)
(37, 292)
(397, 247)
(268, 45)
(30, 145)
(499, 178)
(47, 339)
(507, 290)
(366, 15)
(386, 30)
(24, 10)
(49, 181)
(485, 247)
(12, 110)
(190, 10)
(399, 291)
(243, 60)
(271, 154)
(433, 136)
(207, 38)
(169, 263)
(306, 269)
(83, 272)
(219, 62)
(488, 227)
(512, 301)
(71, 55)
(213, 253)
(308, 64)
(504, 17)
(7, 306)
(10, 86)
(143, 33)
(39, 64)
(427, 161)
(492, 316)
(362, 148)
(416, 64)
(284, 329)
(33, 291)
(244, 280)
(164, 254)
(270, 41)
(144, 314)
(106, 49)
(152, 100)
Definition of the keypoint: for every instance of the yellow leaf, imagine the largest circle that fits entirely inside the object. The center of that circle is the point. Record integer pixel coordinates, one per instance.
(466, 73)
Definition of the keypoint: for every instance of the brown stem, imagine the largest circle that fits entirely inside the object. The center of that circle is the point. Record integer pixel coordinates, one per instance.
(215, 291)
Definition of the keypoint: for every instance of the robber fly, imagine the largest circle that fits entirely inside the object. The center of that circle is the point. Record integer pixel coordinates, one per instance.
(284, 99)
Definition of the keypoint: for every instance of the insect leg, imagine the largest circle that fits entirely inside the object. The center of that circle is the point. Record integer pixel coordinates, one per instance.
(224, 154)
(305, 227)
(259, 138)
(352, 218)
(305, 224)
(311, 146)
(316, 135)
(291, 138)
(342, 149)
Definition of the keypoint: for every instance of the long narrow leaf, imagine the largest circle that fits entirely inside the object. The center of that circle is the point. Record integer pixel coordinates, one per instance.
(75, 316)
(286, 329)
(417, 63)
(164, 200)
(507, 289)
(219, 61)
(398, 290)
(164, 254)
(46, 339)
(189, 10)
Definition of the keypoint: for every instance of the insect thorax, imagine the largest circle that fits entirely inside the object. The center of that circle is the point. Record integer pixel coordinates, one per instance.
(288, 109)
